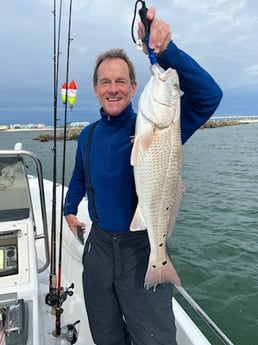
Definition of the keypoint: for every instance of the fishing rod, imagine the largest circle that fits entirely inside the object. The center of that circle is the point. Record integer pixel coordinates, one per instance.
(51, 297)
(57, 295)
(61, 294)
(52, 277)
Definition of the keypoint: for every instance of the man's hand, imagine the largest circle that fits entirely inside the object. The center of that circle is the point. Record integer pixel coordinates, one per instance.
(73, 223)
(160, 33)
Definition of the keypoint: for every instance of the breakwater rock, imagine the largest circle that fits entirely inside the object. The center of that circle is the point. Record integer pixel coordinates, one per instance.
(223, 123)
(71, 134)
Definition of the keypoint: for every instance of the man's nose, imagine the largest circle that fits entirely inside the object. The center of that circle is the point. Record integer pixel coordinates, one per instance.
(113, 87)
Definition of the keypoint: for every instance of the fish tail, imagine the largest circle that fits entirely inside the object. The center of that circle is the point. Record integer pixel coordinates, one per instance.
(161, 273)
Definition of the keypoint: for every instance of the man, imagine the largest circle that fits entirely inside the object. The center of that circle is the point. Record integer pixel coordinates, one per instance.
(120, 310)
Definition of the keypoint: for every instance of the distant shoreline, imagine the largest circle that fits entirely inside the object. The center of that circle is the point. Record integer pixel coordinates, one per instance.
(212, 123)
(73, 133)
(29, 129)
(223, 123)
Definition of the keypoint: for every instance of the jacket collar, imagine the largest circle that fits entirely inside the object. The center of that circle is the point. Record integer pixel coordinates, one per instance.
(119, 119)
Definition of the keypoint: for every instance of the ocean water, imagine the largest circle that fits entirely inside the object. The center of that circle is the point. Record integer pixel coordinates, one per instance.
(215, 243)
(214, 246)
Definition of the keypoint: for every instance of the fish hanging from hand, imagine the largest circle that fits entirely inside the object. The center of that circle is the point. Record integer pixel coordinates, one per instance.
(157, 159)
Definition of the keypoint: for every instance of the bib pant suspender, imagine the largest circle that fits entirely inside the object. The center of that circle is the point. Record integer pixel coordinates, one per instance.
(88, 175)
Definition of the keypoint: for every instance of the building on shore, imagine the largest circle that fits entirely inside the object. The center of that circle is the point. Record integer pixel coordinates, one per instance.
(28, 126)
(78, 124)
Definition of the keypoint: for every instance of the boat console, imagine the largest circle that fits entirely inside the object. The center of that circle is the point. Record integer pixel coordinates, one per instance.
(8, 254)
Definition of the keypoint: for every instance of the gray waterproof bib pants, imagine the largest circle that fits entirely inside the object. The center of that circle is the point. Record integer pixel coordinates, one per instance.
(120, 310)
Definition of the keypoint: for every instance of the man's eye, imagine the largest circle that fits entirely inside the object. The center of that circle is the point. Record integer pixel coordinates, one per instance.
(104, 82)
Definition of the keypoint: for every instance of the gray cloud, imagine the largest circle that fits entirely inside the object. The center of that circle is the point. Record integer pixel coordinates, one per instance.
(220, 34)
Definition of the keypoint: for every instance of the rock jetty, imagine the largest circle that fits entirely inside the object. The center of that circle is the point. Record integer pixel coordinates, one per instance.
(223, 123)
(71, 134)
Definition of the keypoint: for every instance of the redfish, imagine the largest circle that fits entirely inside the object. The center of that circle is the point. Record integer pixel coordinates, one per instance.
(157, 159)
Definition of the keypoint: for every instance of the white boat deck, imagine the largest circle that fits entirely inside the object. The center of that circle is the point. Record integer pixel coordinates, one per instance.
(26, 236)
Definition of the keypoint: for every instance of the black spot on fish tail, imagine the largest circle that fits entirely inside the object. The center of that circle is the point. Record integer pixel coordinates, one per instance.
(164, 263)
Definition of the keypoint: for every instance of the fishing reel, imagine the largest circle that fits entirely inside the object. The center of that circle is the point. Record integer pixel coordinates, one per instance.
(56, 297)
(71, 332)
(68, 334)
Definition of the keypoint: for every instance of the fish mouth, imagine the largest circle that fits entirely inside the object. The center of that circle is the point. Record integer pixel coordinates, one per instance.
(163, 76)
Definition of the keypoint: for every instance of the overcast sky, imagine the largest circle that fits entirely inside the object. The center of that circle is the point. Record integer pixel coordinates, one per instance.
(220, 34)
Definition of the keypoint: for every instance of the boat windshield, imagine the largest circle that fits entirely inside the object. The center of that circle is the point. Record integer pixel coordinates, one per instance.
(14, 192)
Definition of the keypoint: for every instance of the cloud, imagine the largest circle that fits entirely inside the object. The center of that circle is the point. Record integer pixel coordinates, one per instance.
(220, 34)
(252, 70)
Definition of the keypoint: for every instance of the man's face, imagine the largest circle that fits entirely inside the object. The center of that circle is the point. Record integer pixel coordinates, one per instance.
(114, 89)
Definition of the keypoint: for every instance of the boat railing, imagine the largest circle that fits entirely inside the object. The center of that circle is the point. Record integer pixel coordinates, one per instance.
(44, 235)
(211, 324)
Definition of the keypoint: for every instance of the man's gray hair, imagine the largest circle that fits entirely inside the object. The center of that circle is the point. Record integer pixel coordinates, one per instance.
(115, 53)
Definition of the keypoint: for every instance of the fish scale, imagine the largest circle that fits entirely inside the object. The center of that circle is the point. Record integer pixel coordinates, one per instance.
(157, 159)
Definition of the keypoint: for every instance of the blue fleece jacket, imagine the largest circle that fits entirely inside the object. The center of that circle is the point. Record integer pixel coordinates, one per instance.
(111, 172)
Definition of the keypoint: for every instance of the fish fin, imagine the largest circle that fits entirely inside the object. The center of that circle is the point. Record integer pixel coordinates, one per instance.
(135, 151)
(157, 273)
(138, 222)
(180, 193)
(146, 138)
(141, 143)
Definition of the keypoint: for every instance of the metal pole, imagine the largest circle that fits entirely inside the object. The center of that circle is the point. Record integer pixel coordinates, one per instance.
(204, 316)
